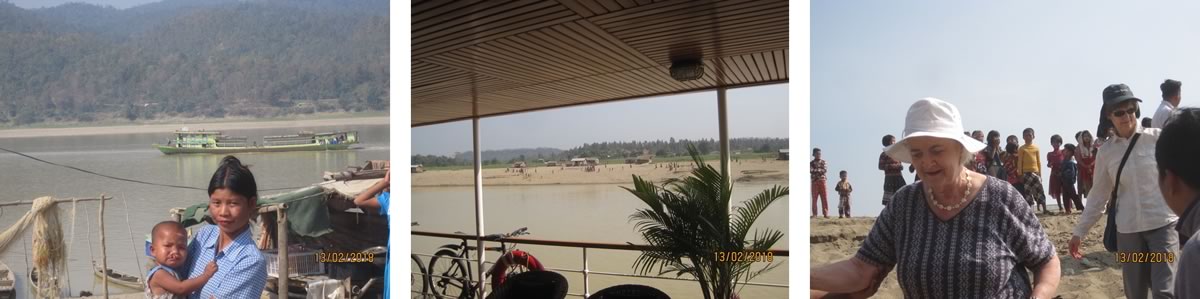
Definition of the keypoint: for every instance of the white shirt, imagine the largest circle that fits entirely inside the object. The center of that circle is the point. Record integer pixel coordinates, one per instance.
(1140, 205)
(1161, 115)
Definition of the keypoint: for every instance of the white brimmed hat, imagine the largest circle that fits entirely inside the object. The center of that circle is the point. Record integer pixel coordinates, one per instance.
(933, 118)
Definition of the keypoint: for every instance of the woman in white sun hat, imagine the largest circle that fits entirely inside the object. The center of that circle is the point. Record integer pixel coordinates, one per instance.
(954, 234)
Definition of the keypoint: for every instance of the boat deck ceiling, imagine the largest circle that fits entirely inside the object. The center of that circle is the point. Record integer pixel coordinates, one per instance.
(518, 56)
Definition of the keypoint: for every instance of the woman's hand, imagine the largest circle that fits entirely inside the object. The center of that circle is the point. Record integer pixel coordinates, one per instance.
(1074, 247)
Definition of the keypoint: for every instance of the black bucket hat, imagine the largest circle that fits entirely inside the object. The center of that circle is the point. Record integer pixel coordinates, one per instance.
(1116, 94)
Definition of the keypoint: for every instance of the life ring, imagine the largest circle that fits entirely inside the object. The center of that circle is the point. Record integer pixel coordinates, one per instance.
(513, 258)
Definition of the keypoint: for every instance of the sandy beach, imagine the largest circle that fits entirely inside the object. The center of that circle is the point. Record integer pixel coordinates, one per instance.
(210, 126)
(746, 170)
(1097, 275)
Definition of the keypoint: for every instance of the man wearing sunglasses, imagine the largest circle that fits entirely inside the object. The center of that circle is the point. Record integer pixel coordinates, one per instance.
(1145, 225)
(1171, 98)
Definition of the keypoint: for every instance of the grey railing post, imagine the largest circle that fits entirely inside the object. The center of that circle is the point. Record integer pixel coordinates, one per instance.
(587, 291)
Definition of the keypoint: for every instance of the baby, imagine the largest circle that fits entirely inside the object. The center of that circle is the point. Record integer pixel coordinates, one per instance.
(169, 248)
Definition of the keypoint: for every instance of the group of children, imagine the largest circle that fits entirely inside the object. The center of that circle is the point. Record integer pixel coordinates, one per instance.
(817, 169)
(1071, 167)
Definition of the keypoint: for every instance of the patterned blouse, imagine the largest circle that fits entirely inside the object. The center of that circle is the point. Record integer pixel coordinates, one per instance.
(889, 166)
(983, 252)
(817, 169)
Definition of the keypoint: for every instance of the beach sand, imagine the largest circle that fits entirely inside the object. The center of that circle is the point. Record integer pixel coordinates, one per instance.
(213, 126)
(1098, 275)
(745, 170)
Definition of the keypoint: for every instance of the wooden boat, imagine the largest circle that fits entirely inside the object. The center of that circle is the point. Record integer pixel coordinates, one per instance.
(212, 142)
(114, 278)
(7, 283)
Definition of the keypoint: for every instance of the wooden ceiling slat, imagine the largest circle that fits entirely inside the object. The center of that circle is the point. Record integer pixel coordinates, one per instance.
(627, 4)
(697, 16)
(651, 10)
(570, 52)
(596, 8)
(545, 57)
(578, 8)
(630, 52)
(762, 61)
(604, 48)
(452, 42)
(570, 47)
(753, 67)
(645, 35)
(464, 16)
(664, 54)
(766, 65)
(421, 12)
(783, 67)
(731, 71)
(610, 5)
(575, 48)
(483, 61)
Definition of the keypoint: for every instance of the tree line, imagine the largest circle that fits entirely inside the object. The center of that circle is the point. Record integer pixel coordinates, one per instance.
(605, 150)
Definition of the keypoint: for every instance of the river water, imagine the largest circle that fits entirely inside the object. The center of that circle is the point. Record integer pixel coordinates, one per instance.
(137, 207)
(580, 213)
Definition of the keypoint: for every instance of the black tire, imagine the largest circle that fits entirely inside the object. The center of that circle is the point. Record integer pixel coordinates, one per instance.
(420, 279)
(449, 277)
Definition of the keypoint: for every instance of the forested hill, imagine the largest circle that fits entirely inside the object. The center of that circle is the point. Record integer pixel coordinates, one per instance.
(192, 58)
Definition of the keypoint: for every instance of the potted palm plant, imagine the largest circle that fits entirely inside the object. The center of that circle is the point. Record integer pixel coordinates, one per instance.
(690, 228)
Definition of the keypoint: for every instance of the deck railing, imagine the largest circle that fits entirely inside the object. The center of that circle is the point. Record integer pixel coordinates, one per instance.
(586, 271)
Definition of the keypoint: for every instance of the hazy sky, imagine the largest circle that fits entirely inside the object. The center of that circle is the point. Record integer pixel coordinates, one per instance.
(1007, 65)
(120, 4)
(753, 112)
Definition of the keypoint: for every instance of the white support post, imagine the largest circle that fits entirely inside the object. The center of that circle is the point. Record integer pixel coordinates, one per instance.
(478, 197)
(587, 286)
(723, 125)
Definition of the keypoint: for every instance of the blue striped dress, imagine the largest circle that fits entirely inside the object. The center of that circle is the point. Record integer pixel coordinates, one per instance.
(241, 268)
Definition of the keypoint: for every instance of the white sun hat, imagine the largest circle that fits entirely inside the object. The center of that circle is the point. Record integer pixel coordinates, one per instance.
(933, 118)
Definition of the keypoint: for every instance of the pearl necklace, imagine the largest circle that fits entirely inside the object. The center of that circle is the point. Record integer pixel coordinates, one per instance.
(967, 191)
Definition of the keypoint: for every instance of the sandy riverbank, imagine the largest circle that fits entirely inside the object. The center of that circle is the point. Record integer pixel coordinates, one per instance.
(1097, 276)
(745, 171)
(210, 126)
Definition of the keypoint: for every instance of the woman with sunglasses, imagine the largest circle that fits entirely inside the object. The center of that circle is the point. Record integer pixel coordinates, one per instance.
(1147, 242)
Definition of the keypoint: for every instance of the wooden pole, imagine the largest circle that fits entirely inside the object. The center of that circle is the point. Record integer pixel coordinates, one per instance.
(56, 201)
(103, 250)
(281, 230)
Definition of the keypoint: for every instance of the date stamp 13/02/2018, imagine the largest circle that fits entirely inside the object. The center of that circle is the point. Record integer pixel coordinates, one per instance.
(1140, 257)
(744, 256)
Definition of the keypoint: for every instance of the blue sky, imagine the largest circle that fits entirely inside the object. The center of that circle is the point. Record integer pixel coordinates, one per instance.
(119, 4)
(759, 111)
(1007, 65)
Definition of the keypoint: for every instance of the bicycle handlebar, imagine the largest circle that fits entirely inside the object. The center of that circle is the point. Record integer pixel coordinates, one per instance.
(519, 232)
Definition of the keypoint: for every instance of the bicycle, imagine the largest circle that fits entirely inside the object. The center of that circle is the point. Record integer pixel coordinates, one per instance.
(421, 289)
(452, 277)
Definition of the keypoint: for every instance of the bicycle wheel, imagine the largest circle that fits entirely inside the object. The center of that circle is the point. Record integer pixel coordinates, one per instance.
(420, 279)
(449, 277)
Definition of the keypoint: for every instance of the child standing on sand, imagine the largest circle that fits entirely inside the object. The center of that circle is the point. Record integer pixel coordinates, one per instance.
(816, 168)
(1010, 166)
(1085, 156)
(1029, 163)
(1069, 171)
(1055, 159)
(843, 189)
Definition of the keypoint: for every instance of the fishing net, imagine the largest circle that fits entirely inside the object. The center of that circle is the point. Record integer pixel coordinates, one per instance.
(49, 252)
